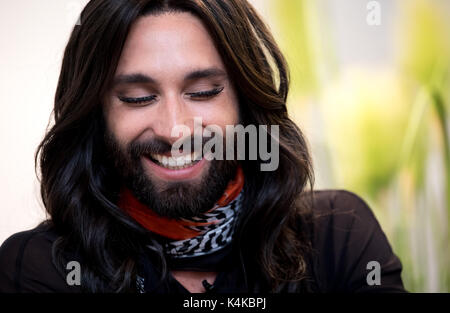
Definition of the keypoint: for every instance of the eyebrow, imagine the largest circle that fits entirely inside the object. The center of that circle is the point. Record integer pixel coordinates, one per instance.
(136, 78)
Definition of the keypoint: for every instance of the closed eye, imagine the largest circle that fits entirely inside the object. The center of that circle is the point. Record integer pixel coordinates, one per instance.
(205, 94)
(140, 100)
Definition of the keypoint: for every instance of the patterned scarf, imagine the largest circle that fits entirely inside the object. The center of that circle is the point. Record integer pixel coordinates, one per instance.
(200, 235)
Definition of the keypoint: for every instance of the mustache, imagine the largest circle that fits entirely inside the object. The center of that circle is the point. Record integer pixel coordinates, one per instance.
(158, 146)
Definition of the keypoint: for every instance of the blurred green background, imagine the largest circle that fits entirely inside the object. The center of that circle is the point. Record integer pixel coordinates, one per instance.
(374, 103)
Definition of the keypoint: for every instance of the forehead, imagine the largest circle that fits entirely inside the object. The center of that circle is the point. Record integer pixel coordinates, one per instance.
(168, 44)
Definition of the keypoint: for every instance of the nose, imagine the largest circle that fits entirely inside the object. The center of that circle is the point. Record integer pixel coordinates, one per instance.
(172, 111)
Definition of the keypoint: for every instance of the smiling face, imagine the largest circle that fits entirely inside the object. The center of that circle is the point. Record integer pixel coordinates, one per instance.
(169, 73)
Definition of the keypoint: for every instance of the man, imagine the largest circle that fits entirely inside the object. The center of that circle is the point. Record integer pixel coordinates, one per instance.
(132, 209)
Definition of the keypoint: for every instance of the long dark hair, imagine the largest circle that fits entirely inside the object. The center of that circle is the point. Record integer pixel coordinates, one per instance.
(80, 192)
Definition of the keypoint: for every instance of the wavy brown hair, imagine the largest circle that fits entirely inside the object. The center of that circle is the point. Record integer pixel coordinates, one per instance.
(79, 189)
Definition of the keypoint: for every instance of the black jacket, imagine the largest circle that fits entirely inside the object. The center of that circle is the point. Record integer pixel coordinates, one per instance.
(346, 238)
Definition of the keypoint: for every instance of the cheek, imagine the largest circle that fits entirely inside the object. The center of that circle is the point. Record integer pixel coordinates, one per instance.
(221, 114)
(126, 125)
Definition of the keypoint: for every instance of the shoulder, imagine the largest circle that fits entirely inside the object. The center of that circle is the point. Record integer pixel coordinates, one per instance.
(347, 239)
(26, 263)
(341, 211)
(341, 215)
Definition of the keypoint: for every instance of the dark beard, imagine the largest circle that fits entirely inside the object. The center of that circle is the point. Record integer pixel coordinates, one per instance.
(169, 199)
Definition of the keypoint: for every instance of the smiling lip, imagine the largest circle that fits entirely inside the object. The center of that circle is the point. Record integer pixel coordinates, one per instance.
(185, 173)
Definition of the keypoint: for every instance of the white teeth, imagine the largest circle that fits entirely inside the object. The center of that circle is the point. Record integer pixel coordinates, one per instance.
(180, 161)
(196, 156)
(177, 162)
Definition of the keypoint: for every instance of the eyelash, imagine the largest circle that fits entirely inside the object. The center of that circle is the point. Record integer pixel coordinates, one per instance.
(200, 94)
(206, 94)
(137, 100)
